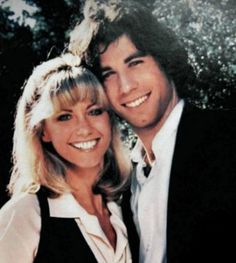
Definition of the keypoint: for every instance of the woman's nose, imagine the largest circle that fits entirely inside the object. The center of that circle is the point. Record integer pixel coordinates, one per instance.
(83, 128)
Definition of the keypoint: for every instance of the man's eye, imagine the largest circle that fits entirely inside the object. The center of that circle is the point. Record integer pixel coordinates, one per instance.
(106, 75)
(64, 117)
(135, 62)
(96, 112)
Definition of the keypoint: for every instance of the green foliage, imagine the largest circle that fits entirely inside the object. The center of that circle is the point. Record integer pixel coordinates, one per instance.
(15, 63)
(53, 20)
(208, 31)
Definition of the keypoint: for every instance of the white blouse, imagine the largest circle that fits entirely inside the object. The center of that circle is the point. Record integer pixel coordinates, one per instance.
(20, 225)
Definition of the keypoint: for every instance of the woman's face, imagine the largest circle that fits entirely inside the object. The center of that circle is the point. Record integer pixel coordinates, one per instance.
(80, 134)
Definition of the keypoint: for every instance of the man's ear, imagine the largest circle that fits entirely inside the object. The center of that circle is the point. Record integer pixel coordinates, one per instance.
(45, 136)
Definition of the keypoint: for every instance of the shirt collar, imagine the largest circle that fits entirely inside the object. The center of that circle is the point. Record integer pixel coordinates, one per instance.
(65, 206)
(170, 126)
(136, 153)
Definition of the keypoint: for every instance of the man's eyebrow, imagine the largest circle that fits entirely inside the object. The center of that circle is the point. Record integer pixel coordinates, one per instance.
(136, 54)
(105, 69)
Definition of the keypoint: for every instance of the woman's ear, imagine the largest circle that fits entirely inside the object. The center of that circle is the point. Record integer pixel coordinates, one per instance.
(45, 136)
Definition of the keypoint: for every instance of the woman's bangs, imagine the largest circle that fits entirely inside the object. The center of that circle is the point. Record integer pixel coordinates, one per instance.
(72, 93)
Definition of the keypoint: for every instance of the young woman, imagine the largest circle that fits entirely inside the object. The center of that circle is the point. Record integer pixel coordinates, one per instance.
(69, 172)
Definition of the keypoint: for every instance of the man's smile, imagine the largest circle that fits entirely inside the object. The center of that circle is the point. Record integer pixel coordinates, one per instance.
(137, 102)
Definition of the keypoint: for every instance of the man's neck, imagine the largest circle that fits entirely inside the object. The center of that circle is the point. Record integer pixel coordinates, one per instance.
(147, 134)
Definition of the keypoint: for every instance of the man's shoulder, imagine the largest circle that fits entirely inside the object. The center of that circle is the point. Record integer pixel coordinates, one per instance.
(220, 119)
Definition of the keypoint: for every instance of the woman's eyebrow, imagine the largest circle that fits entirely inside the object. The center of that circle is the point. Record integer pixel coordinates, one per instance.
(92, 104)
(69, 110)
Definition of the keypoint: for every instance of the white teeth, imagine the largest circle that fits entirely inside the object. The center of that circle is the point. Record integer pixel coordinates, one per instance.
(86, 145)
(137, 102)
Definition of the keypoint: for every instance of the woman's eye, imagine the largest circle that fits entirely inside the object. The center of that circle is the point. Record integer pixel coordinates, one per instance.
(64, 117)
(96, 112)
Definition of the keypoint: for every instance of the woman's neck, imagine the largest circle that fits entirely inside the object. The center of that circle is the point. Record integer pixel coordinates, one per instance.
(81, 183)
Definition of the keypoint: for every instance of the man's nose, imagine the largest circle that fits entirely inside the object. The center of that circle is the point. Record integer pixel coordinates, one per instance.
(127, 83)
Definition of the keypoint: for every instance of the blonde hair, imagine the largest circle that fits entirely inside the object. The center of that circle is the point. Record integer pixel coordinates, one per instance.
(54, 84)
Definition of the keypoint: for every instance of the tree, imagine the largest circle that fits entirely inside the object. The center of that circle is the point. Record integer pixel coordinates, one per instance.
(53, 20)
(16, 62)
(207, 29)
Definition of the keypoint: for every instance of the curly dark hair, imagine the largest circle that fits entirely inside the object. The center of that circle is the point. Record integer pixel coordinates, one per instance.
(150, 37)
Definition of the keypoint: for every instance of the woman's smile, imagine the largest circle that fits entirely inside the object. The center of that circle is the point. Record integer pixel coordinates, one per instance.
(86, 145)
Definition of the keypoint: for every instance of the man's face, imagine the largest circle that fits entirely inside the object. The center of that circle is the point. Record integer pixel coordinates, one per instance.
(137, 89)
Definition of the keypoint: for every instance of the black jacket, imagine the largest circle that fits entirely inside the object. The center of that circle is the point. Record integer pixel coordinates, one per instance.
(60, 238)
(201, 217)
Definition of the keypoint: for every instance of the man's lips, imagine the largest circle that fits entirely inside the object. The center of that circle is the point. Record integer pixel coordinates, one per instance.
(136, 102)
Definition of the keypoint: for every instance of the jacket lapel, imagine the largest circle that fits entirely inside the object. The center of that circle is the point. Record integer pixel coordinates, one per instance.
(131, 229)
(183, 188)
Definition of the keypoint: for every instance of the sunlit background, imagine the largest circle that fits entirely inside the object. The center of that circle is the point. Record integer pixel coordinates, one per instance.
(33, 30)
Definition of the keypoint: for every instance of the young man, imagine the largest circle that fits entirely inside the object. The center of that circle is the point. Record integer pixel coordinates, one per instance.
(184, 187)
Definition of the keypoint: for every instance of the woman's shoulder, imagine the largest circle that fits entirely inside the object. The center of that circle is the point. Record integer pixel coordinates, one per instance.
(22, 208)
(20, 226)
(20, 202)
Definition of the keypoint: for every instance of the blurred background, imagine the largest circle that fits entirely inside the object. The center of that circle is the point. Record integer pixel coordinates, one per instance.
(32, 31)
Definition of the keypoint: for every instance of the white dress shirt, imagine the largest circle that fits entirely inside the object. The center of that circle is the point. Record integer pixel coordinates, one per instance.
(20, 226)
(150, 194)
